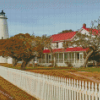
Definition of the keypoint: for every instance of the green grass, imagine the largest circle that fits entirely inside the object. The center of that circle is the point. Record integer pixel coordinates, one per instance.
(13, 67)
(88, 69)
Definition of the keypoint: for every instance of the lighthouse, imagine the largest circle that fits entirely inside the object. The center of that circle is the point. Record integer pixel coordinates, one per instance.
(3, 32)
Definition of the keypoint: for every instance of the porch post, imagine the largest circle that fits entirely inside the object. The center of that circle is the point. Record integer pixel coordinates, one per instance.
(63, 57)
(58, 58)
(41, 59)
(83, 56)
(48, 58)
(68, 56)
(54, 60)
(79, 57)
(51, 57)
(74, 57)
(45, 58)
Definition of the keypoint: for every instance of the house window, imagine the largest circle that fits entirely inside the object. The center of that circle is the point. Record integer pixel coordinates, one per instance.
(65, 56)
(64, 44)
(60, 55)
(81, 58)
(72, 57)
(56, 55)
(43, 56)
(69, 56)
(77, 56)
(57, 44)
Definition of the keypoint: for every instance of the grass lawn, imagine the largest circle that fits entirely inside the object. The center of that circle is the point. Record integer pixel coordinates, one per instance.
(10, 92)
(93, 72)
(88, 69)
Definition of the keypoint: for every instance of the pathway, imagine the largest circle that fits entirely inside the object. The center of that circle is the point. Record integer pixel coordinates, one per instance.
(90, 78)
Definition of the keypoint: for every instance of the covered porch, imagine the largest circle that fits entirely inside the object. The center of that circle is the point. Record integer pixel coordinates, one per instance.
(75, 58)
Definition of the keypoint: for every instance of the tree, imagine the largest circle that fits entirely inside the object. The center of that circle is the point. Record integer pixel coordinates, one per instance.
(22, 47)
(90, 40)
(48, 44)
(65, 31)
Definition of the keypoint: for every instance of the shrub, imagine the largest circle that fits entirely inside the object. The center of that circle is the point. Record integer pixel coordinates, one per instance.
(69, 64)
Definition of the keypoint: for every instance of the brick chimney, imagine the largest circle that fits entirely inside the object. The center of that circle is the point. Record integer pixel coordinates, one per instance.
(84, 25)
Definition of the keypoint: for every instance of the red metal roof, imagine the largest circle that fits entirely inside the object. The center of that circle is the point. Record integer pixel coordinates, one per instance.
(66, 36)
(94, 31)
(67, 50)
(62, 36)
(70, 35)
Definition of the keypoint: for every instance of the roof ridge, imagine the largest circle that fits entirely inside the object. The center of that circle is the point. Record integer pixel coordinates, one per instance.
(90, 28)
(64, 33)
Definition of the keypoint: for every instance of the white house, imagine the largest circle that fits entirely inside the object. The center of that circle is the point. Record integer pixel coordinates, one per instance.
(73, 55)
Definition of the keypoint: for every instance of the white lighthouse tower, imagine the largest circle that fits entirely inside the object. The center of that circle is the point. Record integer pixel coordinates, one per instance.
(3, 32)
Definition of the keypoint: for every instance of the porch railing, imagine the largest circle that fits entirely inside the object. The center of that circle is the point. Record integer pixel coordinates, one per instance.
(61, 60)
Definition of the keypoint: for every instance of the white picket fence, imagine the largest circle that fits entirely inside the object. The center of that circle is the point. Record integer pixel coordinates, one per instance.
(45, 87)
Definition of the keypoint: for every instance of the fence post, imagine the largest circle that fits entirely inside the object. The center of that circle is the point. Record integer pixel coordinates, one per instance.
(43, 89)
(59, 88)
(38, 85)
(92, 91)
(49, 88)
(82, 90)
(79, 90)
(99, 91)
(63, 87)
(45, 95)
(74, 89)
(67, 90)
(96, 96)
(86, 90)
(89, 89)
(54, 87)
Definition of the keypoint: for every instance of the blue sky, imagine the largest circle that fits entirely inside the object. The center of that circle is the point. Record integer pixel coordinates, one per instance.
(49, 16)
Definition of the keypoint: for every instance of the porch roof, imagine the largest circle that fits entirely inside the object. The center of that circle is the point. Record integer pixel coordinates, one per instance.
(67, 50)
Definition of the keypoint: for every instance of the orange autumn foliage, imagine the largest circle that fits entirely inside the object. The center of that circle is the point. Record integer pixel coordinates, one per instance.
(22, 47)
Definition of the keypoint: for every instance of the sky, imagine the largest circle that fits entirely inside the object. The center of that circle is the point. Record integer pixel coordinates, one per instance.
(48, 16)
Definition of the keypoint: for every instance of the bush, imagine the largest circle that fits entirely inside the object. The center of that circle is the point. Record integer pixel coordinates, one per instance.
(69, 64)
